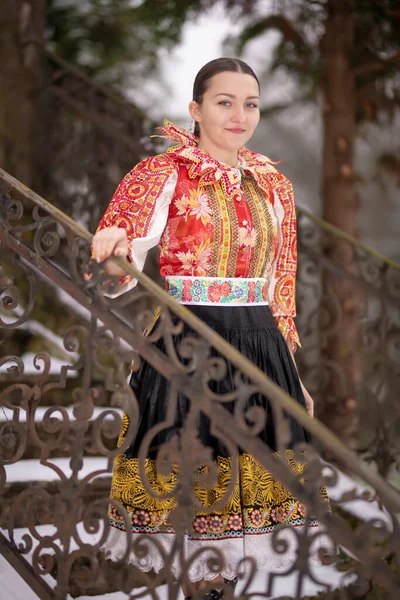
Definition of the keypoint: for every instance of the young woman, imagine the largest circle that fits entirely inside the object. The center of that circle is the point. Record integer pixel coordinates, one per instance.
(224, 219)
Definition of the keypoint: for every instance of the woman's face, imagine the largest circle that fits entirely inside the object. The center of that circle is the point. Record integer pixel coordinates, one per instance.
(229, 112)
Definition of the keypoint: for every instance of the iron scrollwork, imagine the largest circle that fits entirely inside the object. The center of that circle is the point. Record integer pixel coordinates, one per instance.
(60, 527)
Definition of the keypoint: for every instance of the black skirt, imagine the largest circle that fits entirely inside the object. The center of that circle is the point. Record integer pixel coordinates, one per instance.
(259, 504)
(252, 331)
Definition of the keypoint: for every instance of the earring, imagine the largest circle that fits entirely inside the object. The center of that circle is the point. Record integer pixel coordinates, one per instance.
(192, 126)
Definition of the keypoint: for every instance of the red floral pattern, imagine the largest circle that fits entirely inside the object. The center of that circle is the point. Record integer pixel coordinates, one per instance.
(258, 504)
(141, 518)
(278, 514)
(187, 246)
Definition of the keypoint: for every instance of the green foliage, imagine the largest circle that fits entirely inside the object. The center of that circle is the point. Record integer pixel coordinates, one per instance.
(105, 37)
(109, 37)
(376, 57)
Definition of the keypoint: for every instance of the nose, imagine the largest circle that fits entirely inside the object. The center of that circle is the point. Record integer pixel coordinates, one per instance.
(239, 116)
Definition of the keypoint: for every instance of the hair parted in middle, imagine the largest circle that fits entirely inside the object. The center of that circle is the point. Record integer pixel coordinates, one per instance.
(218, 65)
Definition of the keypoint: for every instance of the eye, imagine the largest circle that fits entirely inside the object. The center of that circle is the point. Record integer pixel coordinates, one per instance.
(224, 103)
(252, 105)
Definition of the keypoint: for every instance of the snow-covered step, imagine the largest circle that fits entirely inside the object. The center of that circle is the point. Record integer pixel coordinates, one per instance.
(48, 482)
(283, 586)
(110, 427)
(6, 414)
(362, 507)
(29, 367)
(31, 469)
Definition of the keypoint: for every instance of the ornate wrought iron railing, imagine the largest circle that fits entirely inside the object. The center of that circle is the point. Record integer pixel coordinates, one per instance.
(348, 299)
(94, 139)
(86, 138)
(52, 533)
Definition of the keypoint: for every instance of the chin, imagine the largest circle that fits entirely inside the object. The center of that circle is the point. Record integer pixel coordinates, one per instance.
(234, 147)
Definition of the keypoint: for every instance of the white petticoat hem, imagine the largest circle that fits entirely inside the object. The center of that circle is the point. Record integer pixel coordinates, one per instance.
(261, 548)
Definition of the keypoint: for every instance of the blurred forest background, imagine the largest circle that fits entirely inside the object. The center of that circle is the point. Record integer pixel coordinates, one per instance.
(83, 84)
(322, 63)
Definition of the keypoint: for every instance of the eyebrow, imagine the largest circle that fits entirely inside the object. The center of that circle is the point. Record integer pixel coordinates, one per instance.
(233, 96)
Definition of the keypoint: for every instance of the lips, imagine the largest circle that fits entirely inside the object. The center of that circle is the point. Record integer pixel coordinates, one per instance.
(236, 130)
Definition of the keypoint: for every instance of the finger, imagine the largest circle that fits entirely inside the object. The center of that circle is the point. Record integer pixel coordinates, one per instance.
(104, 250)
(123, 246)
(109, 249)
(97, 250)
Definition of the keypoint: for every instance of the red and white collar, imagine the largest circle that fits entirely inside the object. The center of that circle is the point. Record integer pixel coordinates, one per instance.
(209, 170)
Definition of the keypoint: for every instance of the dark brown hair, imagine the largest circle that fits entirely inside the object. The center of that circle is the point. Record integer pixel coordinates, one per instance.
(218, 65)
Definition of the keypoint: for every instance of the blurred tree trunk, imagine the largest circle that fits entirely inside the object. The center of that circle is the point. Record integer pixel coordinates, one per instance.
(22, 24)
(340, 206)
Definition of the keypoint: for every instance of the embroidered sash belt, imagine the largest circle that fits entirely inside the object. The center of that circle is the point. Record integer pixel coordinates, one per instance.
(226, 291)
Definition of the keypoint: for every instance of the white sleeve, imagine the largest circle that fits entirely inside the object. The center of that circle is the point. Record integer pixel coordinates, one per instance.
(139, 247)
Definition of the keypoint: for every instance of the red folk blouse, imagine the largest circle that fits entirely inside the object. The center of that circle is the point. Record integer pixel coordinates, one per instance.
(211, 219)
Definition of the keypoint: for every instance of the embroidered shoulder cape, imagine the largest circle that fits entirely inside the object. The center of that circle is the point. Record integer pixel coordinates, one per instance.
(141, 203)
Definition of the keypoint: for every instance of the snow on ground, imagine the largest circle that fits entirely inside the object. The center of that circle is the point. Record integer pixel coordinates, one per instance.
(6, 414)
(32, 470)
(13, 588)
(40, 330)
(363, 509)
(30, 369)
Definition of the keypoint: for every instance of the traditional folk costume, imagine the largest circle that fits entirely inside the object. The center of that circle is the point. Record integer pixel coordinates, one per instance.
(227, 249)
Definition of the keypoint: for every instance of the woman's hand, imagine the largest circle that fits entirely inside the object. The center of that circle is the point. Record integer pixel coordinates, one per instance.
(309, 401)
(307, 397)
(108, 241)
(111, 241)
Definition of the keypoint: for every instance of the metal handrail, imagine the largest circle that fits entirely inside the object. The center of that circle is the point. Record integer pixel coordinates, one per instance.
(338, 232)
(329, 440)
(76, 72)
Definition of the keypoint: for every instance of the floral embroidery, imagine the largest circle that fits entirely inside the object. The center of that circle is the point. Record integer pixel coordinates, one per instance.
(238, 291)
(204, 231)
(302, 509)
(141, 518)
(200, 524)
(261, 504)
(132, 206)
(215, 290)
(169, 241)
(246, 237)
(256, 517)
(281, 264)
(197, 258)
(216, 523)
(278, 514)
(186, 294)
(199, 206)
(235, 522)
(182, 207)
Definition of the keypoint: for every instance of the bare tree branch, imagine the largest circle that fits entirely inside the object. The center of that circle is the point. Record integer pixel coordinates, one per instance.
(281, 106)
(279, 22)
(378, 66)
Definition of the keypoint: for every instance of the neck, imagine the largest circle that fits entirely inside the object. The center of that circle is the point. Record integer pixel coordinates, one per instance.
(224, 156)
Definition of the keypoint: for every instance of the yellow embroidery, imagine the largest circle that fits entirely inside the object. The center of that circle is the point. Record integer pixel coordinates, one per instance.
(259, 501)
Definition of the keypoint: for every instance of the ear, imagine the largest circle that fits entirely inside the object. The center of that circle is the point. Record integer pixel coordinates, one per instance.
(194, 111)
